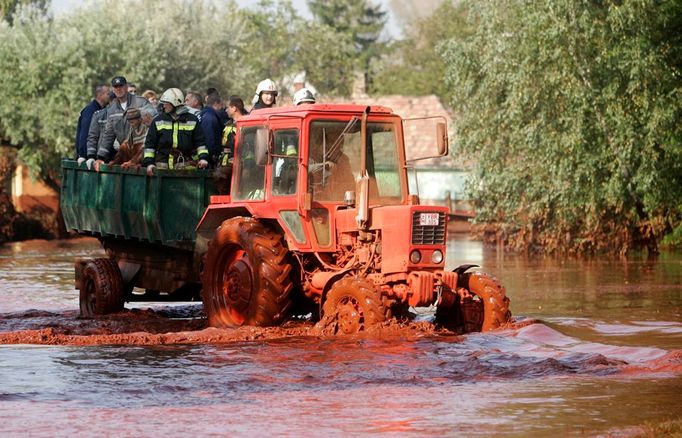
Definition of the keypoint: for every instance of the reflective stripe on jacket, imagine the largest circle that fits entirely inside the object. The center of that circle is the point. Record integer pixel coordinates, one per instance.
(169, 137)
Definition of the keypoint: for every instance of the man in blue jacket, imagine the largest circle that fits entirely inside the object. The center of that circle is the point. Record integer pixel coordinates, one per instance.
(211, 123)
(100, 101)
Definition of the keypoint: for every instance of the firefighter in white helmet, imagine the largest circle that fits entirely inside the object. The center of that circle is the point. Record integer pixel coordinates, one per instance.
(302, 96)
(175, 138)
(266, 94)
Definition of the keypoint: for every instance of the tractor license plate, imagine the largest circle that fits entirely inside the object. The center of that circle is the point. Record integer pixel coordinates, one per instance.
(428, 219)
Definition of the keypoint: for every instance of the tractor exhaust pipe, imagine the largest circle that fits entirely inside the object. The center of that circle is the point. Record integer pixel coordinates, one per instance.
(362, 183)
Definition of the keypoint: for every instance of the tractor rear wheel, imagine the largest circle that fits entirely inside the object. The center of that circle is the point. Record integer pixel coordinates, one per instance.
(481, 305)
(247, 276)
(101, 288)
(353, 305)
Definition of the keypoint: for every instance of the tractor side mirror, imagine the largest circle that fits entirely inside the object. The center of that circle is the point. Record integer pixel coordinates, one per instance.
(419, 137)
(262, 146)
(442, 136)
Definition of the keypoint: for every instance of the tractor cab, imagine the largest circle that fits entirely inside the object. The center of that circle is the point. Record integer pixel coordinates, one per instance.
(301, 166)
(320, 200)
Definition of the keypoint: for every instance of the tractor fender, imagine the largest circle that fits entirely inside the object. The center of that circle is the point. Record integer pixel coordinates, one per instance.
(461, 269)
(216, 215)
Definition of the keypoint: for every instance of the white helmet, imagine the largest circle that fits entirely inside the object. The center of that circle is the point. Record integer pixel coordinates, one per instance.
(303, 96)
(173, 96)
(299, 78)
(266, 85)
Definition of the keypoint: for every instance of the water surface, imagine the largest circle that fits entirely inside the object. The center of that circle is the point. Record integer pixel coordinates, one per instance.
(588, 368)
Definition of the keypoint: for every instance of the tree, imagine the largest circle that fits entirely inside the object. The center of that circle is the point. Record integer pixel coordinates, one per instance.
(9, 7)
(572, 111)
(50, 66)
(362, 21)
(410, 12)
(414, 66)
(280, 43)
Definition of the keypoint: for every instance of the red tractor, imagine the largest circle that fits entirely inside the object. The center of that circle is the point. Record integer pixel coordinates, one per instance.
(319, 216)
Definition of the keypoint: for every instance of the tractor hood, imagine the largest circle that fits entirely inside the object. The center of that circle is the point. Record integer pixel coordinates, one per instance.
(402, 230)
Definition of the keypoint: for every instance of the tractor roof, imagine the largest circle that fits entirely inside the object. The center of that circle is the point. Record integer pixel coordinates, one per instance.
(317, 108)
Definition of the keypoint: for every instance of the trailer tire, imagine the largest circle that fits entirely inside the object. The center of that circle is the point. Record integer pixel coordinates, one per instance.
(101, 291)
(352, 305)
(247, 276)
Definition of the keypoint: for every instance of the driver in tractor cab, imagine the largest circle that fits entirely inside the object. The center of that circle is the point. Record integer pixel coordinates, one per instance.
(266, 94)
(175, 139)
(332, 175)
(286, 170)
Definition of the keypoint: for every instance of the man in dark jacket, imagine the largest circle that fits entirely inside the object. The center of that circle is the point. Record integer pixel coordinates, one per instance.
(100, 101)
(175, 137)
(212, 126)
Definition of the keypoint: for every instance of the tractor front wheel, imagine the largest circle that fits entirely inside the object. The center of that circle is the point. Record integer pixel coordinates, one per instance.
(481, 305)
(353, 305)
(101, 290)
(247, 276)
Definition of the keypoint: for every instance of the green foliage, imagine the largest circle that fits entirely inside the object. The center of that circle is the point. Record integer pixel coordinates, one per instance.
(414, 66)
(674, 238)
(50, 66)
(9, 7)
(281, 42)
(572, 111)
(359, 20)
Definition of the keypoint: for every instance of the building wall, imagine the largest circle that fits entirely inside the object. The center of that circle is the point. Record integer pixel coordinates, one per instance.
(29, 194)
(433, 184)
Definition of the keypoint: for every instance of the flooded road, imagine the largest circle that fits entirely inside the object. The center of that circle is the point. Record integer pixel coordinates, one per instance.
(606, 357)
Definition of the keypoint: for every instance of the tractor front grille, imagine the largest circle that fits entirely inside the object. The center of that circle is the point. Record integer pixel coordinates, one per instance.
(428, 234)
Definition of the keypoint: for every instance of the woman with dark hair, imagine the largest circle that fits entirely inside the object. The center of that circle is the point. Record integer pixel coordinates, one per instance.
(266, 94)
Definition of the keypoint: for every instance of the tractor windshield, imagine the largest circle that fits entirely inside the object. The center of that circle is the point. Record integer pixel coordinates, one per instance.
(334, 160)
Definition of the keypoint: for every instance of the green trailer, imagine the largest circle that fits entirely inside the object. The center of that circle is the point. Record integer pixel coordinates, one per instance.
(145, 224)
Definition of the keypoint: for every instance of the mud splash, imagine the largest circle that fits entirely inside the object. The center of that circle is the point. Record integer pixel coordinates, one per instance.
(542, 350)
(164, 326)
(184, 324)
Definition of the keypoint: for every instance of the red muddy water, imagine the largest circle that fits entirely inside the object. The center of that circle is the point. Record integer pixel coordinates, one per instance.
(596, 349)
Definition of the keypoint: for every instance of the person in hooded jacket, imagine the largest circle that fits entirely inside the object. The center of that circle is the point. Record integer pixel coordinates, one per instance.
(175, 138)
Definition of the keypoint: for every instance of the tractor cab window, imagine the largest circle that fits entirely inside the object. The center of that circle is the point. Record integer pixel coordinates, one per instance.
(334, 160)
(251, 178)
(285, 162)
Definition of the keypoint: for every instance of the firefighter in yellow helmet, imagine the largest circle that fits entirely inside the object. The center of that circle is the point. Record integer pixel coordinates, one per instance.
(175, 137)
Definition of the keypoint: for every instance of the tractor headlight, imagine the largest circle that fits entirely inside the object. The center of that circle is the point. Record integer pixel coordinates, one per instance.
(415, 257)
(437, 256)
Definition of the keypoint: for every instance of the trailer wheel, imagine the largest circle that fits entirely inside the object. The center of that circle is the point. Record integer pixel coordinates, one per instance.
(482, 305)
(246, 278)
(353, 305)
(101, 288)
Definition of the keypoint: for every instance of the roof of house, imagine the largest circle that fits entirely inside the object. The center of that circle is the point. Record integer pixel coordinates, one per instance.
(412, 107)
